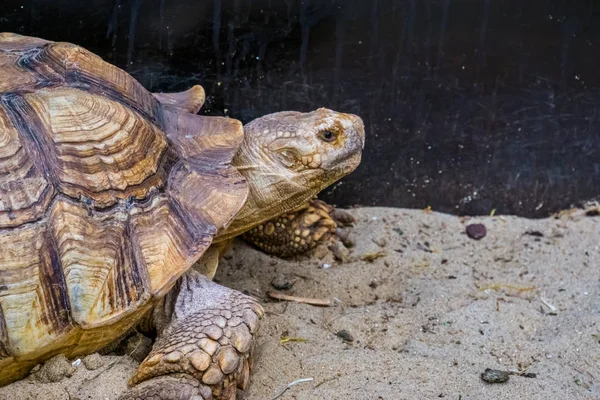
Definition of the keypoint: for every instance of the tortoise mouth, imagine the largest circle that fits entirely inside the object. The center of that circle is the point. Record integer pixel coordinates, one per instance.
(289, 157)
(344, 166)
(352, 162)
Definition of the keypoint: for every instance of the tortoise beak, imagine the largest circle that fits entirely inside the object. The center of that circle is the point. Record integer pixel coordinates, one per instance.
(348, 159)
(359, 127)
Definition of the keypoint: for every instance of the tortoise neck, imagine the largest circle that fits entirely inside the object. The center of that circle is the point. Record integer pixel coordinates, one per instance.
(274, 190)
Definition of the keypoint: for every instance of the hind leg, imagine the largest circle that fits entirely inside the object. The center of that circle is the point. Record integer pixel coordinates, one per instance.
(206, 350)
(301, 231)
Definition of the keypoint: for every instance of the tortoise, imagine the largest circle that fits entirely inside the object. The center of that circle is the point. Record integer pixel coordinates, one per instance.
(116, 203)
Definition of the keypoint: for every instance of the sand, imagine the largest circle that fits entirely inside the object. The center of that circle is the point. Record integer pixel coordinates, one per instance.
(427, 317)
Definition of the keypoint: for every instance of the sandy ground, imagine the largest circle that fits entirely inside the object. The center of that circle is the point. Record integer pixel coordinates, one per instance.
(427, 317)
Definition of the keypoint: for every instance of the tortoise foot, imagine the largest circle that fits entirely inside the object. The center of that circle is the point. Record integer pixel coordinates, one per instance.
(303, 230)
(207, 349)
(171, 387)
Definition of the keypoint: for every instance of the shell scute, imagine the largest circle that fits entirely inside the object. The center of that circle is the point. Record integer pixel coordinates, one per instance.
(98, 262)
(24, 192)
(84, 69)
(33, 294)
(96, 147)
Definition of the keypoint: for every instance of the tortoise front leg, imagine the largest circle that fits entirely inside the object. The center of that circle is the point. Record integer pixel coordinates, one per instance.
(301, 231)
(205, 353)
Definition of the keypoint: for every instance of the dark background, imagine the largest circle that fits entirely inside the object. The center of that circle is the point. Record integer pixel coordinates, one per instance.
(470, 105)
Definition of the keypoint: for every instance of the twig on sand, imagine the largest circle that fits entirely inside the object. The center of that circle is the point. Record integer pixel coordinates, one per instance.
(550, 306)
(290, 385)
(326, 326)
(522, 372)
(297, 299)
(370, 257)
(333, 378)
(102, 371)
(500, 286)
(341, 303)
(286, 339)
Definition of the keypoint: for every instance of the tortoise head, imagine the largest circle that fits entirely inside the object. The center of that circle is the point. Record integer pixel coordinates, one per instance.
(288, 157)
(315, 148)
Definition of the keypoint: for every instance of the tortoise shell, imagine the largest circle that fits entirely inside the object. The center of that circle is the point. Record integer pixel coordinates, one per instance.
(108, 194)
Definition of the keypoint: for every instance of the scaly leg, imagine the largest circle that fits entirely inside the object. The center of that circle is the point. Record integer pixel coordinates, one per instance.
(208, 263)
(205, 352)
(300, 231)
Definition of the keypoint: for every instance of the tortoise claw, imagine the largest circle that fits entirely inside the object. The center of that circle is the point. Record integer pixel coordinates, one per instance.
(343, 218)
(169, 387)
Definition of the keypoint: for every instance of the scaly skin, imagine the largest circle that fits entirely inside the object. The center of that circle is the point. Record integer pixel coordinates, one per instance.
(206, 349)
(206, 331)
(299, 232)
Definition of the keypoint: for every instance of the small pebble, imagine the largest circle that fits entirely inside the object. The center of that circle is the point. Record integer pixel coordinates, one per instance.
(534, 233)
(345, 336)
(54, 370)
(343, 217)
(282, 282)
(138, 346)
(476, 231)
(495, 376)
(593, 212)
(93, 361)
(397, 298)
(380, 241)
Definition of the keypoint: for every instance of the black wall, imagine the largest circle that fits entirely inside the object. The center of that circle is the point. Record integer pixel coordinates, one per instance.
(470, 105)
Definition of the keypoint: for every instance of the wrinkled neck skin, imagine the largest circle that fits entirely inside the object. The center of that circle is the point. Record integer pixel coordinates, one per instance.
(273, 190)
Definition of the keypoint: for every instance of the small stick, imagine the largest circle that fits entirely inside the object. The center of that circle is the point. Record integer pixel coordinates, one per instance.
(326, 326)
(305, 300)
(550, 306)
(498, 286)
(333, 378)
(286, 339)
(290, 385)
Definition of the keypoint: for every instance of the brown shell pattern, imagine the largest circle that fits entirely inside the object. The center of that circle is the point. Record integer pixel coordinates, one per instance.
(107, 196)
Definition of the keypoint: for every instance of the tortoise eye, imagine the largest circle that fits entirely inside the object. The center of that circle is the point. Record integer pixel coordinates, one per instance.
(328, 136)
